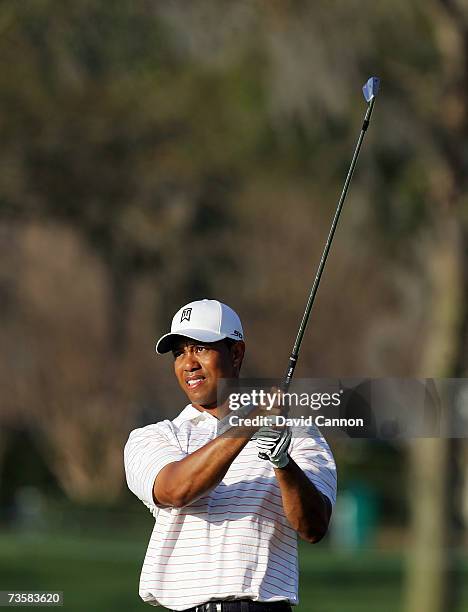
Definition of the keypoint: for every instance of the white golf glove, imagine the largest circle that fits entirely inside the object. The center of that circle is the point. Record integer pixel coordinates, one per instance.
(273, 444)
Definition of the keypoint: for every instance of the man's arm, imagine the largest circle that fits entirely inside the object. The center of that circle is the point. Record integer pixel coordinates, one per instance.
(182, 482)
(307, 509)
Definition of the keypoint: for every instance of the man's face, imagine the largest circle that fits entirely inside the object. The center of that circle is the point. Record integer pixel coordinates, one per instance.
(199, 365)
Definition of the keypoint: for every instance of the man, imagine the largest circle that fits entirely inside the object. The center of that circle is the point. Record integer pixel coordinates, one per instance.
(225, 534)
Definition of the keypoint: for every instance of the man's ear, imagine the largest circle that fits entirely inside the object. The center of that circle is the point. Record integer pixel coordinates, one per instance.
(237, 352)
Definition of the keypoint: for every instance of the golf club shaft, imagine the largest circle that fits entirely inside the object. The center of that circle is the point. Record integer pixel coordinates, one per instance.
(303, 325)
(370, 90)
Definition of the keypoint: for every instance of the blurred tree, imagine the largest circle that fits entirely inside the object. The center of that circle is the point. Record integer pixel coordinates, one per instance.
(104, 129)
(433, 581)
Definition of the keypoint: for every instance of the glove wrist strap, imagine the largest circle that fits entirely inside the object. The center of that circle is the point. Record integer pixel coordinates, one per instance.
(281, 462)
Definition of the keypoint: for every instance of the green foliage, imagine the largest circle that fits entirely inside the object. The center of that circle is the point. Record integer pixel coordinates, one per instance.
(111, 130)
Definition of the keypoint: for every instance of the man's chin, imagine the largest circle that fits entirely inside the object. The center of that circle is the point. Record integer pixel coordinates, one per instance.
(202, 402)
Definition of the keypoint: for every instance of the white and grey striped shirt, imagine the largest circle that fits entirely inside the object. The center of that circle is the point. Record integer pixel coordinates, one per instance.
(234, 541)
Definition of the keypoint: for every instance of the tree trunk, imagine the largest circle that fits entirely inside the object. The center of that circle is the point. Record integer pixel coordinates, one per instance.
(429, 575)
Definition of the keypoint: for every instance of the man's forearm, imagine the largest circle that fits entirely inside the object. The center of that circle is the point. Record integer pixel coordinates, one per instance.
(183, 482)
(307, 510)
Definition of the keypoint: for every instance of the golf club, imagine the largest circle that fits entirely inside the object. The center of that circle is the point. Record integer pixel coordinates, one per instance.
(370, 90)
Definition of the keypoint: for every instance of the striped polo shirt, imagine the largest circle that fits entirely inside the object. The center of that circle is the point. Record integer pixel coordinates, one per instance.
(235, 541)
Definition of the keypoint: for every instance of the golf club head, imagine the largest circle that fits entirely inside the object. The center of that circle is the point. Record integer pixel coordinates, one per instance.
(371, 88)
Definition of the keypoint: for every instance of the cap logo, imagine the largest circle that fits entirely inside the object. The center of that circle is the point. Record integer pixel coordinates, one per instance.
(186, 313)
(237, 333)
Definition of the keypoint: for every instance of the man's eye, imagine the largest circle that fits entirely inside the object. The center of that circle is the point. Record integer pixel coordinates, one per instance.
(176, 354)
(200, 348)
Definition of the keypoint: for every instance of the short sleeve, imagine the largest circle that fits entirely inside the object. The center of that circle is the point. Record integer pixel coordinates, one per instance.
(311, 452)
(146, 452)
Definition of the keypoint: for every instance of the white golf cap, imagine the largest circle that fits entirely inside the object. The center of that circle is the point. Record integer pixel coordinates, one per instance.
(203, 320)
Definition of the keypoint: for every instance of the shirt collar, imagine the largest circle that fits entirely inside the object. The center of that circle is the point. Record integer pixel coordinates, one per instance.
(190, 413)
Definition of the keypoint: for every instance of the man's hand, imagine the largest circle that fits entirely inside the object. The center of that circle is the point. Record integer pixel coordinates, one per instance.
(273, 444)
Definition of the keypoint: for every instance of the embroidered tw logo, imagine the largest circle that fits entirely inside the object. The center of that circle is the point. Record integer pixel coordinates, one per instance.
(186, 313)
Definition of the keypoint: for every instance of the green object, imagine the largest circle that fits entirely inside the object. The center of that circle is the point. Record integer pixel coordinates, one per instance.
(354, 517)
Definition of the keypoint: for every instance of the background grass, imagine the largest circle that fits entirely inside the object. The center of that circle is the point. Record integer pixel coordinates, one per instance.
(100, 574)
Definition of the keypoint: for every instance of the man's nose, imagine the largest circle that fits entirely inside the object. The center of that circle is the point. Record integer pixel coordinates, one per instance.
(190, 361)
